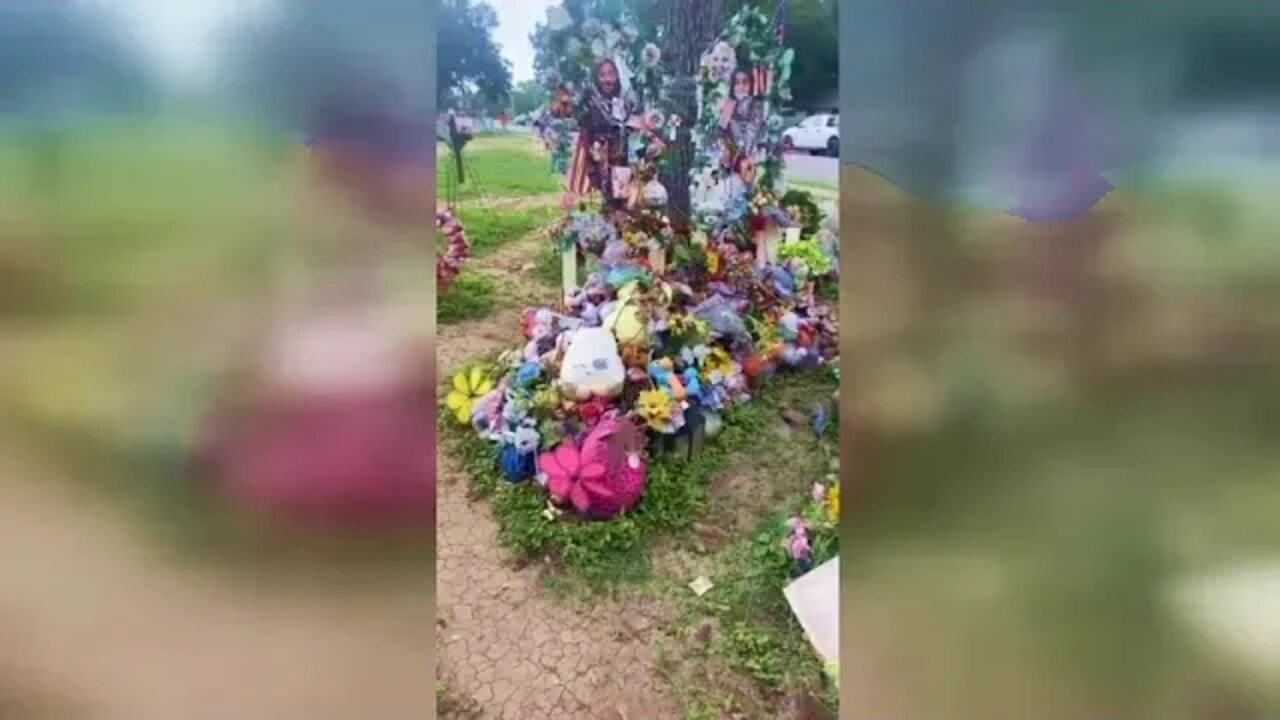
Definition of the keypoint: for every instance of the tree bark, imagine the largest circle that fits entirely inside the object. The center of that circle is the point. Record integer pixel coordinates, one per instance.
(690, 27)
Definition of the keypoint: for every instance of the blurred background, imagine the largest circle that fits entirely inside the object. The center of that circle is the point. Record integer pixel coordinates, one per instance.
(215, 269)
(1060, 375)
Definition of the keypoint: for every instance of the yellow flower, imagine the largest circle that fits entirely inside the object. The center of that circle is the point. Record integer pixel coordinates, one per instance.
(833, 504)
(717, 361)
(713, 261)
(682, 323)
(468, 386)
(655, 407)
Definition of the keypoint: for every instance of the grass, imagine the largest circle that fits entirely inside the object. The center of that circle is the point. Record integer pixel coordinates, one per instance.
(469, 297)
(489, 229)
(546, 266)
(499, 166)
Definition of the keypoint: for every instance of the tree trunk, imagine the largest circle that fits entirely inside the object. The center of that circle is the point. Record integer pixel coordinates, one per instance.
(690, 27)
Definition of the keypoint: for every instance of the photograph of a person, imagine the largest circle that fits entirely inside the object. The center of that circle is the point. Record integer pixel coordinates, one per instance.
(641, 373)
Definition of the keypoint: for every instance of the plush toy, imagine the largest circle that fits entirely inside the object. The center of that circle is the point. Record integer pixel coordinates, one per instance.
(519, 456)
(592, 365)
(663, 375)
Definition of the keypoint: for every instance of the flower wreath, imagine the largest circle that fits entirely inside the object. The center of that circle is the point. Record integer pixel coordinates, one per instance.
(456, 250)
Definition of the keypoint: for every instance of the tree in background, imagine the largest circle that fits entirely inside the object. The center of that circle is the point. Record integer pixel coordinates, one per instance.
(471, 73)
(528, 97)
(469, 62)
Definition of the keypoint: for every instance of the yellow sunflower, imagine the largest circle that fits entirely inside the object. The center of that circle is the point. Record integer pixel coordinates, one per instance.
(717, 361)
(654, 407)
(468, 386)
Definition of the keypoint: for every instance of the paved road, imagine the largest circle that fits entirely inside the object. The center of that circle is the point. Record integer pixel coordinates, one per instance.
(806, 168)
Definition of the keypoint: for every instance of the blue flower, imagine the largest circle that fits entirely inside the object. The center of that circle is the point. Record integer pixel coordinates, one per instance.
(527, 373)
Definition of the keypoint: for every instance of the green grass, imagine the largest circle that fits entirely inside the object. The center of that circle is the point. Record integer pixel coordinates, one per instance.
(547, 267)
(499, 166)
(469, 297)
(489, 229)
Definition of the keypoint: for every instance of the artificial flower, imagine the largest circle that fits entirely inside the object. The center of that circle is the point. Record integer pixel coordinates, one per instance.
(655, 408)
(567, 470)
(717, 361)
(818, 492)
(651, 55)
(468, 386)
(527, 373)
(558, 18)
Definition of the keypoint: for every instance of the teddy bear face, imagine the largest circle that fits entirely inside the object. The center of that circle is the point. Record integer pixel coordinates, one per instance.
(592, 366)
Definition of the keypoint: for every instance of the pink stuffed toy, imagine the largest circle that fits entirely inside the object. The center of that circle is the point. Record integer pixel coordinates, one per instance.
(602, 478)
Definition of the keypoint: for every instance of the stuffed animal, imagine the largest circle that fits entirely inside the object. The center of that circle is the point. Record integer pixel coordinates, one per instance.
(592, 365)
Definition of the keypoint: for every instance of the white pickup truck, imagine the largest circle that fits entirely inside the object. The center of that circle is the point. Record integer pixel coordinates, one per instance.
(815, 134)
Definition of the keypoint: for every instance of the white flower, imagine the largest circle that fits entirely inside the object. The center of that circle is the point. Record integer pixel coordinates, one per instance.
(611, 37)
(591, 27)
(654, 118)
(573, 47)
(676, 121)
(558, 18)
(598, 49)
(651, 55)
(630, 32)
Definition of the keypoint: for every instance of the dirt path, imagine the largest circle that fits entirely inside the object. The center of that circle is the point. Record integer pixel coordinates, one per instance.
(505, 647)
(516, 290)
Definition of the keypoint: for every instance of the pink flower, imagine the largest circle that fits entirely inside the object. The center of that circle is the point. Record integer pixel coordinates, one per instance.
(604, 476)
(568, 201)
(799, 547)
(572, 477)
(819, 492)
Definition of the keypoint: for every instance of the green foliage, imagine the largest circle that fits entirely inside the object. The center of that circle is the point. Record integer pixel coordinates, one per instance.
(547, 266)
(810, 252)
(528, 97)
(466, 52)
(468, 297)
(809, 215)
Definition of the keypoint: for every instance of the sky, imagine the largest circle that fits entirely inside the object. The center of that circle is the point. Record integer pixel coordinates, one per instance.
(182, 37)
(516, 20)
